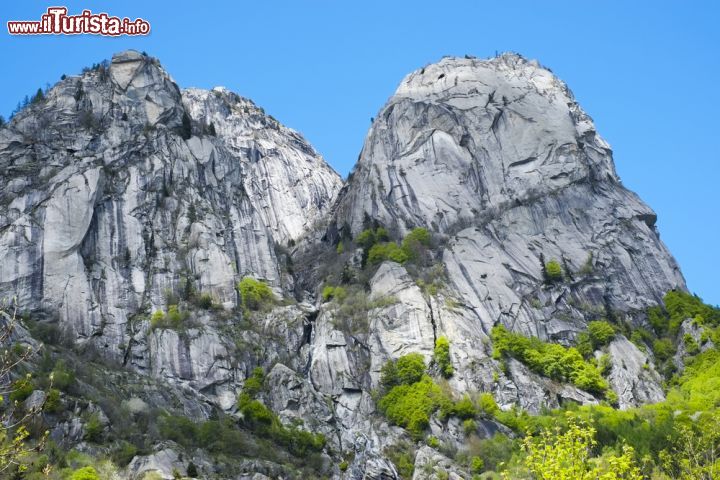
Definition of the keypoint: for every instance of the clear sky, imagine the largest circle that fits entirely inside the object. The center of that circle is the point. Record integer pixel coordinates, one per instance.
(646, 71)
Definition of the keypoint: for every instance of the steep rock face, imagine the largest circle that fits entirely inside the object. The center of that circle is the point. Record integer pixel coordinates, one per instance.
(498, 159)
(124, 192)
(124, 195)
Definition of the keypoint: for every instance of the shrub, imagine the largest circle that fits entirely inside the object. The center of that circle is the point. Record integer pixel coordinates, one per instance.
(340, 249)
(343, 465)
(464, 408)
(178, 429)
(192, 470)
(691, 346)
(663, 349)
(63, 378)
(387, 251)
(605, 364)
(405, 370)
(52, 401)
(22, 388)
(402, 456)
(477, 465)
(205, 301)
(410, 406)
(601, 333)
(255, 294)
(415, 242)
(330, 292)
(469, 426)
(370, 237)
(255, 382)
(173, 319)
(553, 454)
(487, 404)
(442, 356)
(124, 453)
(85, 473)
(93, 428)
(549, 359)
(553, 271)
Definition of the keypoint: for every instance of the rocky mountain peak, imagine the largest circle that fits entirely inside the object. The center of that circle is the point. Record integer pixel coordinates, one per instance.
(473, 135)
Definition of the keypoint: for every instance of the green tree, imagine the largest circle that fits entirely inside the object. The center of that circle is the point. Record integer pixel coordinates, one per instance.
(558, 455)
(441, 355)
(601, 333)
(255, 294)
(553, 271)
(85, 473)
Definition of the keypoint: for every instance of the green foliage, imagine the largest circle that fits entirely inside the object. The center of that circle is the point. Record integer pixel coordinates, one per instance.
(192, 470)
(340, 249)
(469, 426)
(406, 370)
(62, 376)
(255, 294)
(173, 319)
(124, 453)
(403, 457)
(52, 401)
(663, 349)
(601, 333)
(38, 97)
(330, 292)
(553, 271)
(442, 356)
(254, 383)
(263, 421)
(487, 404)
(415, 242)
(370, 237)
(343, 466)
(378, 249)
(549, 359)
(680, 306)
(85, 473)
(93, 428)
(477, 465)
(691, 346)
(464, 408)
(567, 455)
(410, 405)
(205, 301)
(387, 251)
(21, 389)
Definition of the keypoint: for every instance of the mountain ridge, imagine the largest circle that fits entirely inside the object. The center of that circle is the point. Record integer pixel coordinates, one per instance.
(135, 211)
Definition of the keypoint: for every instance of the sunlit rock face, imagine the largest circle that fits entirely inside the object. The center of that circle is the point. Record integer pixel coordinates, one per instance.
(122, 195)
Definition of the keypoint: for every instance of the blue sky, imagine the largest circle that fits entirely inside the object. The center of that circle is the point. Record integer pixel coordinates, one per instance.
(647, 72)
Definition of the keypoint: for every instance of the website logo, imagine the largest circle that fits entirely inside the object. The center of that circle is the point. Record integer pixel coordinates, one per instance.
(57, 22)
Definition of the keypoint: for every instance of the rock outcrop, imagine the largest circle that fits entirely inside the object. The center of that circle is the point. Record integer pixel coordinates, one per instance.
(126, 198)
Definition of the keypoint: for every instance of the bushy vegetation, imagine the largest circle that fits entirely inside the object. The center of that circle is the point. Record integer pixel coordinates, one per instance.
(553, 271)
(549, 359)
(601, 333)
(377, 248)
(263, 421)
(173, 319)
(329, 292)
(441, 357)
(85, 473)
(568, 455)
(411, 405)
(255, 294)
(406, 370)
(351, 306)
